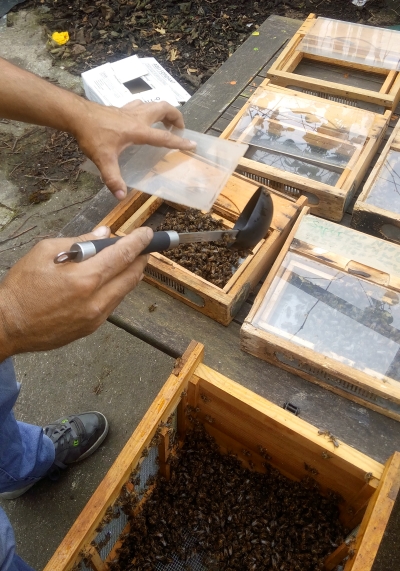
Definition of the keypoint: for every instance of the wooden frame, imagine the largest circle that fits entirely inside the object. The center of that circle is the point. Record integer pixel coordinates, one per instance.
(381, 395)
(372, 219)
(283, 73)
(324, 200)
(242, 420)
(220, 304)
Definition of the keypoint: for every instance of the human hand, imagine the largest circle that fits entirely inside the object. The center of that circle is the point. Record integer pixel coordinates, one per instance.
(104, 132)
(44, 305)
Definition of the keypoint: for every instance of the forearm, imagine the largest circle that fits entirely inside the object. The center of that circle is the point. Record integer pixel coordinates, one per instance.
(28, 98)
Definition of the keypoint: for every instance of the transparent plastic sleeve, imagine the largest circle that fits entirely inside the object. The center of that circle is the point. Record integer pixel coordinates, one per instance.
(385, 192)
(353, 43)
(322, 134)
(335, 314)
(191, 178)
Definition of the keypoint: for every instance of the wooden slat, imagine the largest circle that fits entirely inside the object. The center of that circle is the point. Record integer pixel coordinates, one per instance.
(376, 517)
(251, 420)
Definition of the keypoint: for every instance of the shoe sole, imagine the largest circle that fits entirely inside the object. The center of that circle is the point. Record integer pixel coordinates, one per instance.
(17, 493)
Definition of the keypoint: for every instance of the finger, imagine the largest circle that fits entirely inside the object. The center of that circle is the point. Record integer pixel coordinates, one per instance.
(110, 295)
(159, 138)
(96, 234)
(116, 258)
(162, 111)
(111, 175)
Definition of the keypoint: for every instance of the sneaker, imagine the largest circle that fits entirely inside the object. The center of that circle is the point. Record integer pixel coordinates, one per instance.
(75, 438)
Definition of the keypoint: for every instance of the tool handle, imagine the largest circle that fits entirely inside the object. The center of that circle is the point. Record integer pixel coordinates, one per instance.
(161, 241)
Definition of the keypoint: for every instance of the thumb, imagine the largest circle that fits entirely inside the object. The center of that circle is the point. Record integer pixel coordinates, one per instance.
(96, 234)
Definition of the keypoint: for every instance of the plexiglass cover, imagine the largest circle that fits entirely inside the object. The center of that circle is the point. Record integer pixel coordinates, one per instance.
(377, 47)
(335, 314)
(315, 131)
(192, 178)
(385, 192)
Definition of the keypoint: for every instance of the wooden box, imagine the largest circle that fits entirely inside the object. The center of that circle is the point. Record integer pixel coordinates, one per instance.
(362, 85)
(220, 304)
(329, 311)
(377, 209)
(304, 146)
(242, 423)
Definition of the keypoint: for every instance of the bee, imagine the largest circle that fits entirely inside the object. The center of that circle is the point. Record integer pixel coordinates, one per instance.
(204, 398)
(325, 455)
(368, 476)
(209, 419)
(152, 307)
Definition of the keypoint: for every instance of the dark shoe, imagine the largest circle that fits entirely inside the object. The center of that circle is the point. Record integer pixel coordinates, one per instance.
(75, 438)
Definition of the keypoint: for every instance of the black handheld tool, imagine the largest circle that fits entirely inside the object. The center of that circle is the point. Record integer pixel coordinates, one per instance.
(251, 226)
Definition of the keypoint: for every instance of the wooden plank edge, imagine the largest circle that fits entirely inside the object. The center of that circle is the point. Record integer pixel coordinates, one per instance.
(289, 421)
(376, 517)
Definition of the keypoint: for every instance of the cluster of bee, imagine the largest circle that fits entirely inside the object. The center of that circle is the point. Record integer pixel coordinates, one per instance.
(212, 261)
(231, 518)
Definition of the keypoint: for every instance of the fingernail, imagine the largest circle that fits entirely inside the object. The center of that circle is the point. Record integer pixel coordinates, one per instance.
(192, 144)
(120, 194)
(101, 231)
(149, 233)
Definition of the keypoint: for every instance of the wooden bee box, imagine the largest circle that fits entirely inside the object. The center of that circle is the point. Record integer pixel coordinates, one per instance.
(329, 311)
(377, 209)
(240, 421)
(308, 71)
(302, 145)
(220, 304)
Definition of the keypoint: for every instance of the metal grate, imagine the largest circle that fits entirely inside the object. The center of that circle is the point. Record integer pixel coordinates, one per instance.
(290, 190)
(335, 98)
(165, 280)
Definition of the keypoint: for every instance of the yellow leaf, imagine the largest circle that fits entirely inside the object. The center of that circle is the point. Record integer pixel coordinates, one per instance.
(60, 38)
(173, 54)
(156, 48)
(160, 31)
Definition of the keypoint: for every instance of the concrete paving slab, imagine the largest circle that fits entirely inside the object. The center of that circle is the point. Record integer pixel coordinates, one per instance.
(127, 375)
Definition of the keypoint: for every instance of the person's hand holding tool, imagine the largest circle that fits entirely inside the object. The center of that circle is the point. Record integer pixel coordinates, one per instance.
(44, 305)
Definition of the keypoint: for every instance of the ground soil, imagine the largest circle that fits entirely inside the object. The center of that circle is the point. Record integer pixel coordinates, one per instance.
(191, 39)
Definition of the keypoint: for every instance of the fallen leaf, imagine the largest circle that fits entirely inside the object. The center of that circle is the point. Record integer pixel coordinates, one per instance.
(191, 70)
(160, 31)
(173, 54)
(156, 48)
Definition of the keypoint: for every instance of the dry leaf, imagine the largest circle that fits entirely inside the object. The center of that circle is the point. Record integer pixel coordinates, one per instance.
(191, 70)
(156, 48)
(160, 31)
(173, 54)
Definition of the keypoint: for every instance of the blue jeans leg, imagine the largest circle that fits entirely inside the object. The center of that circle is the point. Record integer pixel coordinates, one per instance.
(25, 456)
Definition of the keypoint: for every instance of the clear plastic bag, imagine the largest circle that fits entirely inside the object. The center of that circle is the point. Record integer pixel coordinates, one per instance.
(354, 43)
(191, 178)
